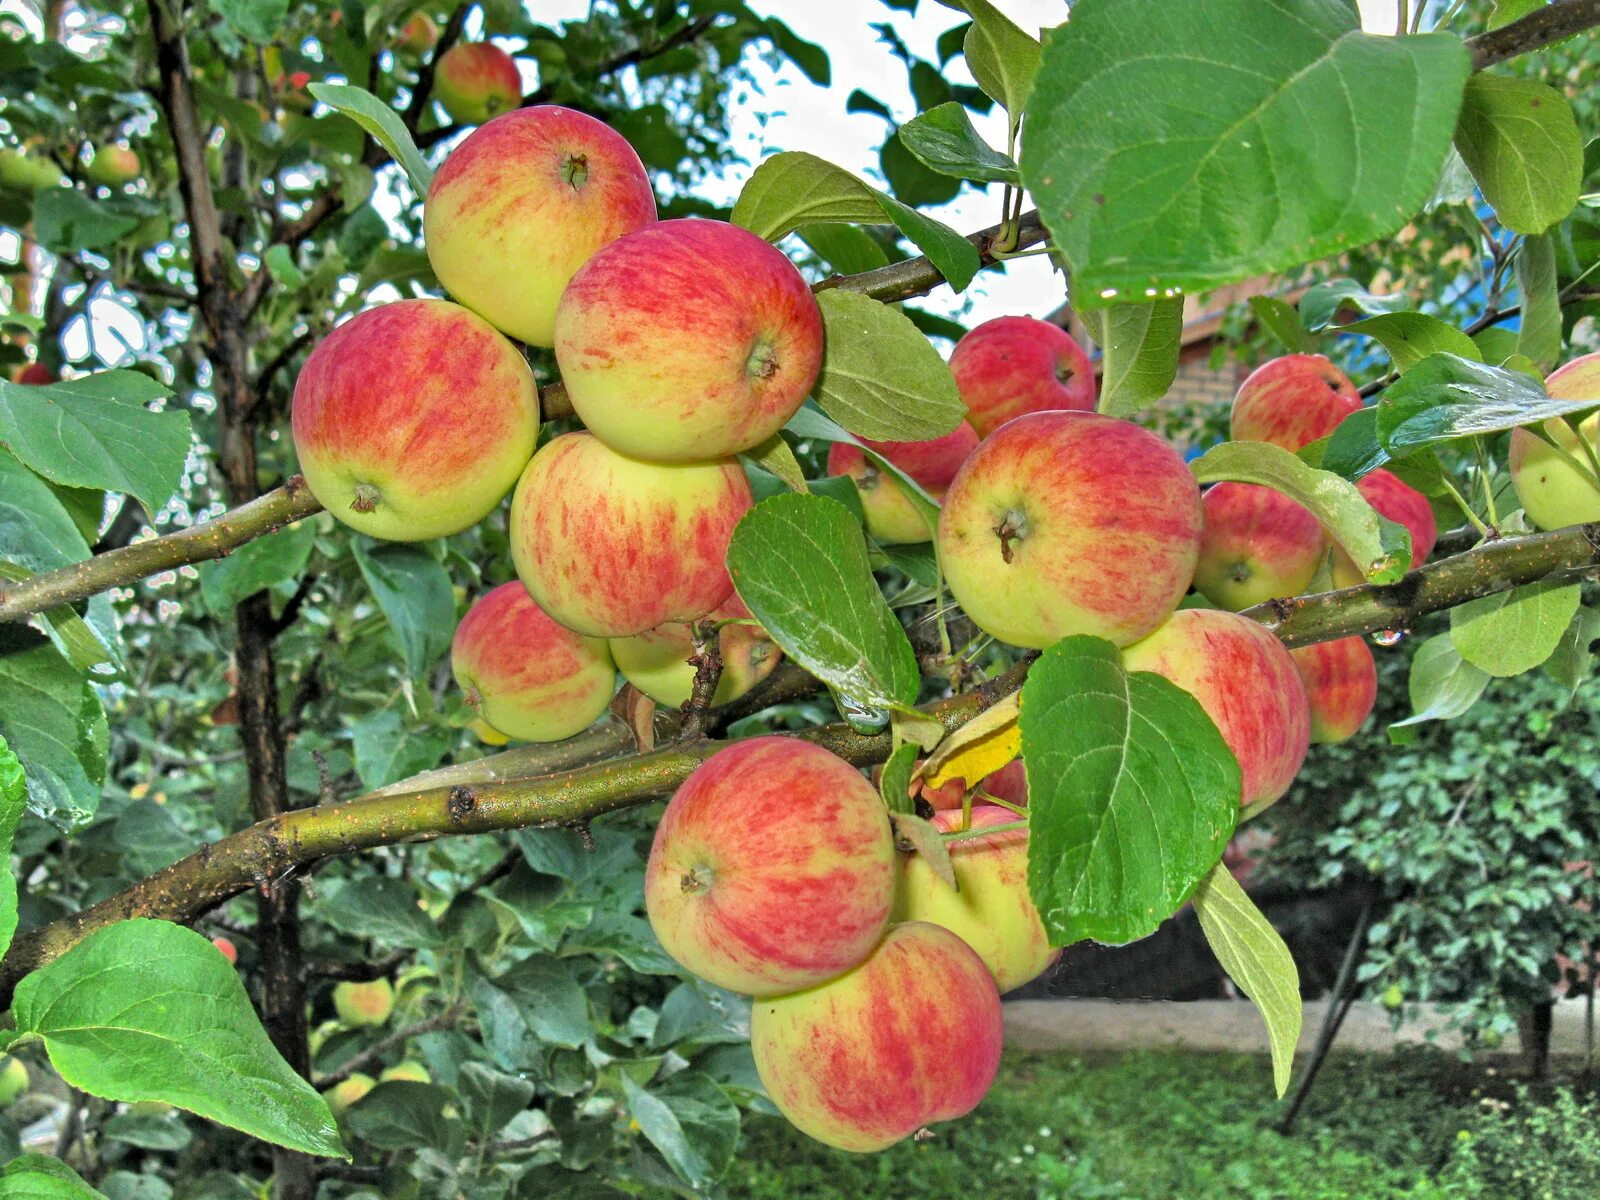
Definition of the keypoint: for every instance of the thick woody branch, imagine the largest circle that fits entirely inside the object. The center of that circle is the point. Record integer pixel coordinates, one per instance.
(1544, 25)
(917, 276)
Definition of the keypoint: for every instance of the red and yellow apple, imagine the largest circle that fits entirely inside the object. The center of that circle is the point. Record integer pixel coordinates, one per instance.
(34, 374)
(347, 1092)
(226, 948)
(414, 419)
(1553, 492)
(1257, 544)
(772, 868)
(1248, 685)
(475, 81)
(909, 1037)
(687, 340)
(891, 516)
(612, 546)
(1015, 365)
(1067, 523)
(1293, 401)
(1404, 505)
(526, 675)
(363, 1004)
(657, 661)
(1009, 783)
(524, 202)
(1341, 682)
(410, 1071)
(417, 36)
(113, 166)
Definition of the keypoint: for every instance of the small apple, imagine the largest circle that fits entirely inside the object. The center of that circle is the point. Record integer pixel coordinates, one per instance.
(1552, 491)
(521, 204)
(1245, 680)
(475, 81)
(27, 172)
(1067, 523)
(772, 868)
(657, 661)
(891, 517)
(1341, 683)
(526, 675)
(227, 949)
(989, 908)
(13, 1080)
(1401, 503)
(1015, 365)
(113, 166)
(412, 420)
(909, 1037)
(1293, 401)
(417, 36)
(687, 340)
(342, 1095)
(34, 374)
(363, 1004)
(410, 1071)
(291, 92)
(612, 546)
(1257, 545)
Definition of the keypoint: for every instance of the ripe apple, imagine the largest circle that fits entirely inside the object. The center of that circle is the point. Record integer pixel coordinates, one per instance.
(1009, 783)
(612, 546)
(417, 36)
(412, 420)
(475, 81)
(410, 1071)
(291, 92)
(1069, 522)
(687, 340)
(990, 908)
(34, 374)
(1015, 365)
(363, 1004)
(526, 675)
(342, 1095)
(1552, 492)
(27, 172)
(657, 660)
(1341, 682)
(909, 1037)
(13, 1080)
(227, 949)
(1257, 544)
(113, 166)
(524, 202)
(1401, 503)
(891, 517)
(1245, 680)
(772, 868)
(1293, 401)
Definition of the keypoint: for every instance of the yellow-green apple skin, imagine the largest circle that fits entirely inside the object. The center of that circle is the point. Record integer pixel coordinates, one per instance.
(892, 518)
(910, 1037)
(1257, 544)
(113, 166)
(414, 419)
(1391, 497)
(611, 546)
(772, 868)
(13, 1080)
(417, 36)
(687, 340)
(1553, 493)
(1015, 365)
(524, 202)
(989, 908)
(1248, 685)
(27, 172)
(1065, 523)
(529, 676)
(657, 661)
(1341, 682)
(409, 1071)
(1292, 401)
(364, 1004)
(475, 81)
(347, 1092)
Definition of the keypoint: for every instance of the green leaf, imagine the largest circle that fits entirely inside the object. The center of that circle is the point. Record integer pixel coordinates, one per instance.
(389, 747)
(1280, 320)
(775, 456)
(811, 58)
(1140, 344)
(67, 222)
(1367, 538)
(1256, 959)
(280, 262)
(895, 783)
(691, 1121)
(1573, 658)
(403, 1115)
(1324, 301)
(1354, 451)
(1539, 336)
(414, 593)
(809, 423)
(1002, 58)
(259, 21)
(1442, 684)
(1166, 144)
(881, 377)
(848, 249)
(382, 122)
(944, 140)
(37, 533)
(96, 432)
(381, 908)
(1521, 141)
(148, 1010)
(800, 565)
(41, 1177)
(1507, 11)
(536, 1003)
(1512, 632)
(795, 188)
(1446, 397)
(54, 724)
(949, 251)
(1410, 337)
(1132, 793)
(491, 1098)
(13, 802)
(257, 565)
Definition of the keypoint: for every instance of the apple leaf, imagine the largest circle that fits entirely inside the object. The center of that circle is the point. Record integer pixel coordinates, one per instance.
(923, 840)
(13, 803)
(1539, 335)
(1448, 396)
(944, 140)
(1140, 345)
(881, 377)
(1280, 320)
(1521, 141)
(1442, 685)
(1410, 337)
(43, 1177)
(1002, 58)
(414, 592)
(53, 721)
(809, 423)
(980, 747)
(1323, 302)
(382, 122)
(894, 785)
(1573, 659)
(1512, 632)
(691, 1123)
(774, 455)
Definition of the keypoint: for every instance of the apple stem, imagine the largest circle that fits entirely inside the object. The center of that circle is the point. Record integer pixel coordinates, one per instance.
(1013, 527)
(575, 170)
(366, 498)
(694, 881)
(967, 835)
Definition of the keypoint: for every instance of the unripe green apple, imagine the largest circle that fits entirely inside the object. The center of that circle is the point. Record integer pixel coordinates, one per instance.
(1553, 492)
(1257, 545)
(1015, 365)
(891, 516)
(410, 1071)
(1341, 683)
(475, 81)
(13, 1080)
(27, 172)
(342, 1095)
(1293, 401)
(657, 661)
(113, 166)
(364, 1004)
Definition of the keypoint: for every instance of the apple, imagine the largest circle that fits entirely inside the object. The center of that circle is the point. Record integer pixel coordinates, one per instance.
(342, 1095)
(772, 868)
(13, 1080)
(1553, 492)
(27, 172)
(1067, 523)
(989, 908)
(891, 516)
(612, 546)
(1293, 401)
(1009, 783)
(657, 661)
(34, 374)
(413, 420)
(487, 733)
(524, 202)
(410, 1071)
(226, 948)
(113, 166)
(1341, 682)
(1401, 503)
(687, 340)
(1015, 365)
(526, 675)
(1245, 680)
(417, 36)
(1257, 545)
(909, 1037)
(291, 92)
(363, 1004)
(475, 81)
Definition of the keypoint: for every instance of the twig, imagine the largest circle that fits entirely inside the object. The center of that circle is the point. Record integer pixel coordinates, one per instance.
(707, 675)
(362, 972)
(1545, 24)
(375, 1053)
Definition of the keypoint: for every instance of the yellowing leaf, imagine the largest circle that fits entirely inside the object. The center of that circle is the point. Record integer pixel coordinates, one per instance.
(979, 748)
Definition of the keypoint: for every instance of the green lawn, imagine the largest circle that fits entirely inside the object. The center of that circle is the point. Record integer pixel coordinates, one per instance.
(1174, 1126)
